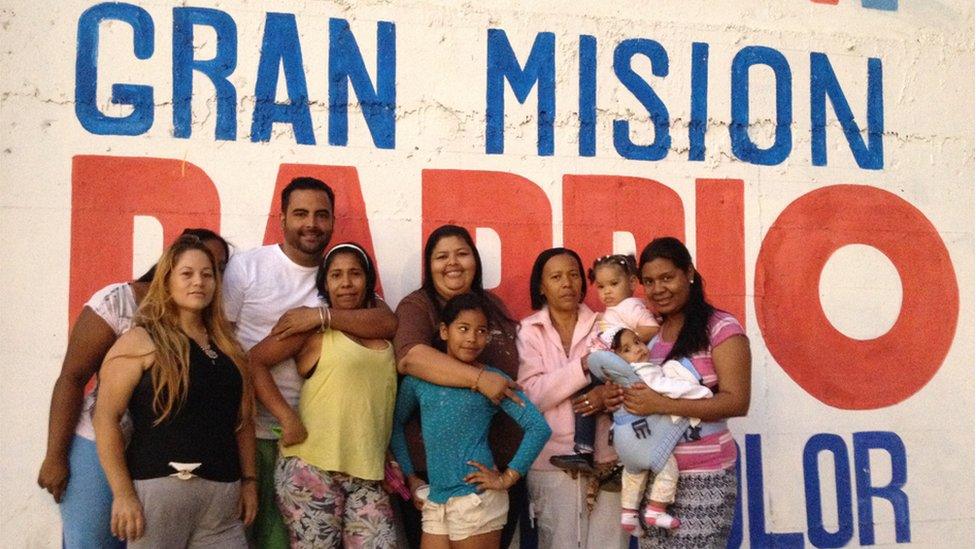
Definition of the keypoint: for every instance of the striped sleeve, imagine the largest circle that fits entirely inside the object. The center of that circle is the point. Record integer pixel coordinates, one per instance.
(723, 326)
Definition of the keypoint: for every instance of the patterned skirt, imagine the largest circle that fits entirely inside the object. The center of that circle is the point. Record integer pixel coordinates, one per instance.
(705, 504)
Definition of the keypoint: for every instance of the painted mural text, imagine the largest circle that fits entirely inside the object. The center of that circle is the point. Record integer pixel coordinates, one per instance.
(281, 56)
(857, 485)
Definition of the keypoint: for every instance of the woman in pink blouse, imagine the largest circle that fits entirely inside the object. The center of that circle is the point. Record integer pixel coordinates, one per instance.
(553, 343)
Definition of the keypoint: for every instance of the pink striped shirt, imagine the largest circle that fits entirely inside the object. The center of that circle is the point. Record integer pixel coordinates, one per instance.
(716, 451)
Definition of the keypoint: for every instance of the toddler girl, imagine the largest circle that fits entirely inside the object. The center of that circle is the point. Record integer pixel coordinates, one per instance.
(615, 279)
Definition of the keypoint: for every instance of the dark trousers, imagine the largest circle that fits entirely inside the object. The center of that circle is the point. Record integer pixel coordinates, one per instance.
(584, 426)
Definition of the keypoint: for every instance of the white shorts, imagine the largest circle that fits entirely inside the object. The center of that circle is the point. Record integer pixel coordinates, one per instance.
(464, 516)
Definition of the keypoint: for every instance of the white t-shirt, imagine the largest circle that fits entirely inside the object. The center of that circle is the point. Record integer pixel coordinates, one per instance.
(116, 305)
(260, 285)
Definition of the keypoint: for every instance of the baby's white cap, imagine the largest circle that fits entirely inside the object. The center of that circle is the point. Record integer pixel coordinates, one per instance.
(610, 332)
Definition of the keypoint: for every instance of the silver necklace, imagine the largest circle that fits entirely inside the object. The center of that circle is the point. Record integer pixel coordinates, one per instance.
(208, 350)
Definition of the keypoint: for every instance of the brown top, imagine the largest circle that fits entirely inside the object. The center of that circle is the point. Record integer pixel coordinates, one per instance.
(418, 323)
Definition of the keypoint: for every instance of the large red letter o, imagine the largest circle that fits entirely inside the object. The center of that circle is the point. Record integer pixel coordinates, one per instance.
(835, 369)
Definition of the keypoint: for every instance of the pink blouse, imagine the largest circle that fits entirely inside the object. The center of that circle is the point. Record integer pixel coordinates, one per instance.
(550, 378)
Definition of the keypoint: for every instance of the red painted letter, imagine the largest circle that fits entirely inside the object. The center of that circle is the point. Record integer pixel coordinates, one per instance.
(833, 368)
(107, 192)
(512, 206)
(720, 243)
(595, 206)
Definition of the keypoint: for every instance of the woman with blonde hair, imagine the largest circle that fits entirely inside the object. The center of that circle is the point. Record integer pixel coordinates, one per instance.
(70, 470)
(186, 478)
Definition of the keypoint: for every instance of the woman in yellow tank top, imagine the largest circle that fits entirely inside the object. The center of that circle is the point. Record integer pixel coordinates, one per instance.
(328, 477)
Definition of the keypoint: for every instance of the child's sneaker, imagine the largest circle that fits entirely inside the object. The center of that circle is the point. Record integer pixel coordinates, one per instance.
(660, 519)
(574, 462)
(628, 520)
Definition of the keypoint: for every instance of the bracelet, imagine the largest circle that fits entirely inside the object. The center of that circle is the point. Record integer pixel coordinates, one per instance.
(321, 320)
(514, 476)
(477, 379)
(328, 314)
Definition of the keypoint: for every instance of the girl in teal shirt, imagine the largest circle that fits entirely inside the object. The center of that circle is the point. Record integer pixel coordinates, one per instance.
(467, 498)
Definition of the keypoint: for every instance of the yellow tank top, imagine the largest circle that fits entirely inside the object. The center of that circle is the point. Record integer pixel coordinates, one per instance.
(347, 408)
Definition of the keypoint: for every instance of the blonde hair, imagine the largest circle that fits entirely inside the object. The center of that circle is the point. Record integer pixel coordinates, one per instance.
(159, 316)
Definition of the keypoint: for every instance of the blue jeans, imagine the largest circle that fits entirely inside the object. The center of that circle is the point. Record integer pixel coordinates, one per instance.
(86, 508)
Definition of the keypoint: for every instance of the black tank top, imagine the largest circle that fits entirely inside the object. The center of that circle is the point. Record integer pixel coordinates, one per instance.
(202, 430)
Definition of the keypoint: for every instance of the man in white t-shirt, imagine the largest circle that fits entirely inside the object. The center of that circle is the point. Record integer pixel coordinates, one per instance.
(263, 284)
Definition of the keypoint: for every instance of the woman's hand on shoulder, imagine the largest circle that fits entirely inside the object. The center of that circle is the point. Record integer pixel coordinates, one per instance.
(128, 523)
(297, 321)
(497, 387)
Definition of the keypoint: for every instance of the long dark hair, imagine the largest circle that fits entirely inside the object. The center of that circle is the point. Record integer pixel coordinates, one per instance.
(365, 262)
(693, 336)
(535, 279)
(204, 235)
(492, 310)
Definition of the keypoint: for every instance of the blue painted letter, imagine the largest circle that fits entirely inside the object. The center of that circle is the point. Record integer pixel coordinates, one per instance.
(699, 101)
(735, 533)
(658, 112)
(503, 65)
(880, 440)
(281, 48)
(346, 67)
(742, 145)
(587, 97)
(217, 69)
(819, 536)
(758, 536)
(823, 84)
(140, 97)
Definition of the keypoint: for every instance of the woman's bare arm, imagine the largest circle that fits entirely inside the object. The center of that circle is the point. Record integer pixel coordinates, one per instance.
(247, 449)
(377, 322)
(120, 373)
(88, 343)
(267, 353)
(429, 364)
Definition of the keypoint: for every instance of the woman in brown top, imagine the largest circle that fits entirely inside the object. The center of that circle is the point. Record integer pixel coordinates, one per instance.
(452, 266)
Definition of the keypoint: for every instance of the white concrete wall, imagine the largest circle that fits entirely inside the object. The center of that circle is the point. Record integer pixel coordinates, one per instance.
(898, 234)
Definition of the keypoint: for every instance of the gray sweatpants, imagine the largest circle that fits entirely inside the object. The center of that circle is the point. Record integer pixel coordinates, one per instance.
(189, 513)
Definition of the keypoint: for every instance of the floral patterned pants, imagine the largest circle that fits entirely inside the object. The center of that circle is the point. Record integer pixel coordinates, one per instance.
(328, 509)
